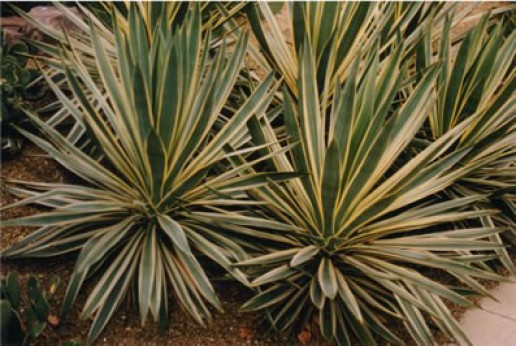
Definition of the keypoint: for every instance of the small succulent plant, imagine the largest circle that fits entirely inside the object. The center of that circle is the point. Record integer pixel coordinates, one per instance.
(18, 84)
(20, 324)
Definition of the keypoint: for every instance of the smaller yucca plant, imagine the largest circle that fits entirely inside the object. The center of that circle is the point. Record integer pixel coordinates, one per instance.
(362, 233)
(100, 17)
(339, 32)
(149, 205)
(170, 14)
(476, 83)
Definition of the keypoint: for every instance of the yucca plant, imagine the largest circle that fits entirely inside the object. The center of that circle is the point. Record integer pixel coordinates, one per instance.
(147, 206)
(99, 16)
(363, 234)
(172, 13)
(339, 32)
(477, 82)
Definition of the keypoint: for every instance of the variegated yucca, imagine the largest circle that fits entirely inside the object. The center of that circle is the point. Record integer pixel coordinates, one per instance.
(147, 205)
(477, 83)
(347, 190)
(80, 18)
(366, 225)
(341, 31)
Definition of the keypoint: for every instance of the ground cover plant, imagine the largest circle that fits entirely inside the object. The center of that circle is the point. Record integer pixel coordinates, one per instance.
(26, 320)
(18, 86)
(365, 158)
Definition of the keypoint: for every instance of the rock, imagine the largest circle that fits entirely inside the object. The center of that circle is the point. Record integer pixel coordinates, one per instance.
(51, 17)
(304, 337)
(245, 333)
(53, 320)
(16, 27)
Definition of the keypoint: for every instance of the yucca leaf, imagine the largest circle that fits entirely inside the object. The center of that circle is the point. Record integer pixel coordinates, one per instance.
(304, 255)
(292, 309)
(111, 302)
(377, 326)
(316, 294)
(180, 287)
(267, 298)
(276, 257)
(327, 278)
(72, 291)
(341, 332)
(309, 113)
(174, 232)
(194, 269)
(345, 191)
(157, 157)
(146, 272)
(97, 247)
(328, 320)
(330, 186)
(415, 322)
(362, 332)
(113, 277)
(348, 297)
(274, 275)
